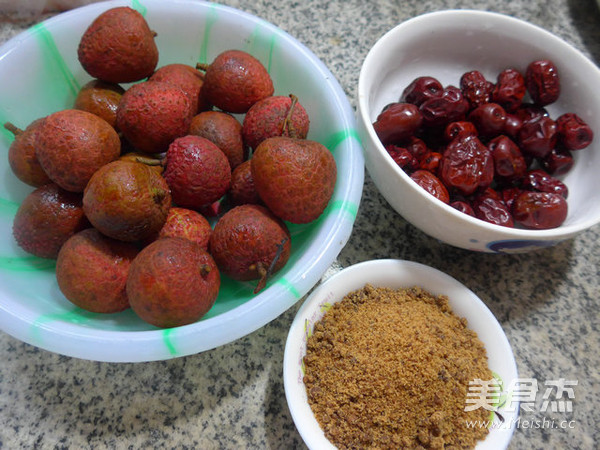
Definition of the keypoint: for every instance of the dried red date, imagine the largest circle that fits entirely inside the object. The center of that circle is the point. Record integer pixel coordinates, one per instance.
(466, 165)
(541, 181)
(451, 106)
(417, 147)
(475, 88)
(402, 157)
(453, 129)
(508, 159)
(573, 132)
(509, 89)
(431, 184)
(489, 119)
(463, 207)
(538, 137)
(421, 89)
(397, 122)
(508, 196)
(542, 82)
(490, 208)
(528, 111)
(512, 125)
(431, 162)
(539, 210)
(558, 162)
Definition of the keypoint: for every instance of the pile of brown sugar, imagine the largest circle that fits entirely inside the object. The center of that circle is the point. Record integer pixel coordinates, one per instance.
(389, 368)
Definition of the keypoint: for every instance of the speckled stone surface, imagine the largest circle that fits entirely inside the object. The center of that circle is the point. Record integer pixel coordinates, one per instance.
(233, 397)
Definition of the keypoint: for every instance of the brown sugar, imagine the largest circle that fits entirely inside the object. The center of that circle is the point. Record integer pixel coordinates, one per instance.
(389, 368)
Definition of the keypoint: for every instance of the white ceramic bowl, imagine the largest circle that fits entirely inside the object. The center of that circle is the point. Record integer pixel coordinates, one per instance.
(445, 45)
(394, 274)
(40, 74)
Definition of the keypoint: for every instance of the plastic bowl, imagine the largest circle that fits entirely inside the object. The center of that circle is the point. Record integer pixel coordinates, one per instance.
(445, 45)
(41, 74)
(394, 274)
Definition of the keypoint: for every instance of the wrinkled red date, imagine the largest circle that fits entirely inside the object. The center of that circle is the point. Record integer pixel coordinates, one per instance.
(490, 208)
(466, 165)
(451, 106)
(509, 89)
(539, 210)
(541, 181)
(558, 162)
(398, 121)
(508, 159)
(421, 89)
(489, 119)
(538, 137)
(542, 82)
(573, 132)
(475, 88)
(431, 184)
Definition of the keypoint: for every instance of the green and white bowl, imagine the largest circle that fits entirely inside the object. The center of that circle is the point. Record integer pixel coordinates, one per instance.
(40, 74)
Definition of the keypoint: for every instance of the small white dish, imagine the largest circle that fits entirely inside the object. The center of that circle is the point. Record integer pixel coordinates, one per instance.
(394, 274)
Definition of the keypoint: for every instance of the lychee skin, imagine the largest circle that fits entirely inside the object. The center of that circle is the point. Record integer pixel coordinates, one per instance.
(100, 98)
(71, 145)
(46, 219)
(127, 201)
(188, 78)
(295, 178)
(118, 47)
(224, 130)
(152, 114)
(266, 119)
(235, 80)
(92, 269)
(22, 158)
(188, 224)
(247, 237)
(242, 189)
(197, 172)
(172, 282)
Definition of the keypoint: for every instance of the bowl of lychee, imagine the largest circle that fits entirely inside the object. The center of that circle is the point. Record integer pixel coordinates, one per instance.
(172, 181)
(478, 129)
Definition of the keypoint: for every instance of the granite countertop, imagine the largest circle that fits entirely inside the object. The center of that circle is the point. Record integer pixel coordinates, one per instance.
(233, 396)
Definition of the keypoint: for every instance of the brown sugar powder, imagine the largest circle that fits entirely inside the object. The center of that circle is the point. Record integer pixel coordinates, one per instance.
(388, 368)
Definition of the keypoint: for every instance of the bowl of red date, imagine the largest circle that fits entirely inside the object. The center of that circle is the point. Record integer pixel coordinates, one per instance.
(478, 129)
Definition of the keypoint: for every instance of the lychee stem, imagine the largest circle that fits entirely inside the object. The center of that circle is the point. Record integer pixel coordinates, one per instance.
(266, 273)
(202, 66)
(287, 122)
(148, 160)
(13, 128)
(205, 270)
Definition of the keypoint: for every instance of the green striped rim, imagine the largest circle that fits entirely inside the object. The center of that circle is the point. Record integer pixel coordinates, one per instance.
(52, 51)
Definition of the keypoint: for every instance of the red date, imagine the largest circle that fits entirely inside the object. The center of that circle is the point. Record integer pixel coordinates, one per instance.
(539, 180)
(397, 122)
(509, 89)
(539, 210)
(489, 119)
(542, 82)
(538, 137)
(508, 159)
(421, 89)
(490, 208)
(573, 132)
(475, 88)
(449, 107)
(466, 165)
(558, 162)
(431, 184)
